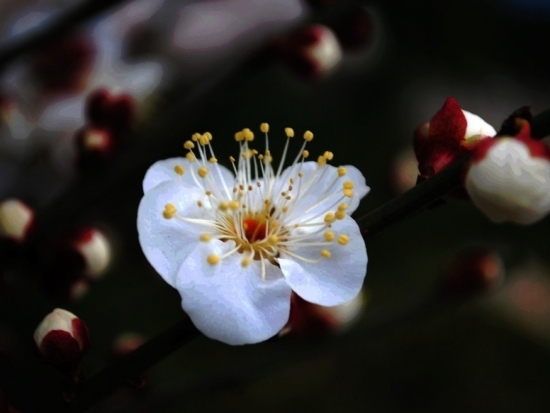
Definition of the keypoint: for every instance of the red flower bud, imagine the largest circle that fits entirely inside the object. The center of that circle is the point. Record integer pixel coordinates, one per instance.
(450, 134)
(62, 337)
(311, 51)
(312, 320)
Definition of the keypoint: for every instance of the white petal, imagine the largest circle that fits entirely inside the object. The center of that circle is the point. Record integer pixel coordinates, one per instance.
(477, 126)
(334, 280)
(325, 188)
(163, 171)
(167, 242)
(230, 303)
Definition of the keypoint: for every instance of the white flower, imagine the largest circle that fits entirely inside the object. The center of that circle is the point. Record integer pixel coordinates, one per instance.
(509, 180)
(236, 246)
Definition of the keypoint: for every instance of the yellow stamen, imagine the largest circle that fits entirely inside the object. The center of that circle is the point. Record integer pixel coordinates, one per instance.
(348, 192)
(264, 127)
(343, 239)
(188, 145)
(202, 171)
(329, 236)
(205, 237)
(329, 218)
(289, 132)
(308, 136)
(247, 134)
(190, 157)
(326, 254)
(342, 171)
(180, 170)
(213, 259)
(340, 214)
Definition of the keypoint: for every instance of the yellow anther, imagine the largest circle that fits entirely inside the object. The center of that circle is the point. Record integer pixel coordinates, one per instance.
(275, 224)
(205, 237)
(169, 211)
(305, 153)
(325, 254)
(188, 145)
(340, 214)
(248, 135)
(291, 180)
(246, 261)
(300, 174)
(199, 204)
(289, 132)
(342, 171)
(203, 140)
(231, 159)
(348, 185)
(343, 239)
(234, 205)
(329, 218)
(348, 192)
(212, 160)
(213, 259)
(190, 157)
(272, 239)
(208, 136)
(180, 170)
(223, 206)
(329, 236)
(195, 137)
(328, 155)
(208, 193)
(321, 160)
(343, 206)
(202, 171)
(285, 209)
(308, 136)
(260, 157)
(264, 127)
(239, 136)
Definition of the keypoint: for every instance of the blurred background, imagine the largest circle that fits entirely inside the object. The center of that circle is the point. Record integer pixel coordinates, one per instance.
(82, 118)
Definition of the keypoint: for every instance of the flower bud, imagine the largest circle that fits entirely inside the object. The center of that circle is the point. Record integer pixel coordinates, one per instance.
(62, 337)
(450, 134)
(509, 179)
(105, 109)
(95, 249)
(63, 66)
(16, 219)
(94, 147)
(126, 343)
(473, 271)
(311, 51)
(312, 320)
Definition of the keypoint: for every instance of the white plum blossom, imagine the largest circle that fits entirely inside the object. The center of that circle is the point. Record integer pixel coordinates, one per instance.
(509, 180)
(235, 245)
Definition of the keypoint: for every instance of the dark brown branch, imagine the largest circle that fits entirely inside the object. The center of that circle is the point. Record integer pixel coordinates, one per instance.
(57, 26)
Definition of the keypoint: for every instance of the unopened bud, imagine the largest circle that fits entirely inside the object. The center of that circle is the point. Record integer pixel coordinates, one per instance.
(62, 337)
(312, 320)
(312, 51)
(105, 109)
(449, 135)
(16, 219)
(473, 271)
(95, 249)
(509, 179)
